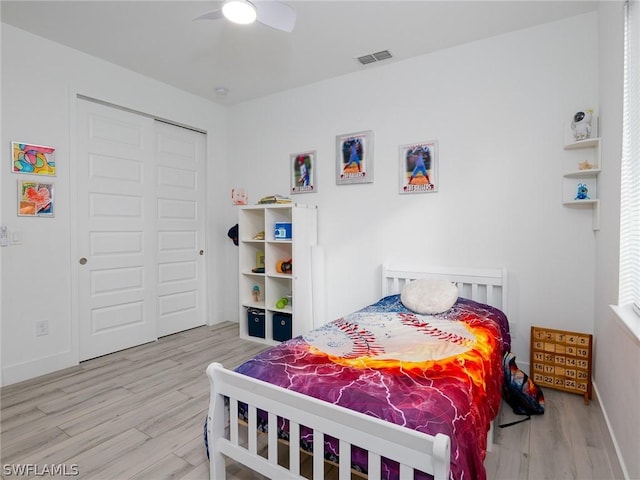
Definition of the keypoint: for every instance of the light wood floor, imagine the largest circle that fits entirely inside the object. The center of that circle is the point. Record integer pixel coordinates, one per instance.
(139, 414)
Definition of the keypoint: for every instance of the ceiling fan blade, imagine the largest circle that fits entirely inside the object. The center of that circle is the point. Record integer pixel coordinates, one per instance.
(212, 15)
(276, 15)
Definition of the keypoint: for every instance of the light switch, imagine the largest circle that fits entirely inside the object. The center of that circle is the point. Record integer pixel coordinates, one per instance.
(4, 236)
(16, 237)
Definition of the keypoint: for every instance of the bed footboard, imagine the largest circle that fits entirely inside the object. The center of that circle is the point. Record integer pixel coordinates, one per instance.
(412, 450)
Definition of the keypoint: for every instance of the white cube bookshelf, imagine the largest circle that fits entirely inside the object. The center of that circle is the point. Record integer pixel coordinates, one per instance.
(273, 285)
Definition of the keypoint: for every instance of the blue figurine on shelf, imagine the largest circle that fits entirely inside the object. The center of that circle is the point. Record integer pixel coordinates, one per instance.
(583, 192)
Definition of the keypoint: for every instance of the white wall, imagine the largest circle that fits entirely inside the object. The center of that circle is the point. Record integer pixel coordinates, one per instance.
(496, 108)
(39, 82)
(617, 351)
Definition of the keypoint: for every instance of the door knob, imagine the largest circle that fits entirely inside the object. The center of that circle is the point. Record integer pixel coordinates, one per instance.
(82, 261)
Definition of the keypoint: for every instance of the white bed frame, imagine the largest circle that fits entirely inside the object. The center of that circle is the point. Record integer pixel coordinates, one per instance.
(413, 450)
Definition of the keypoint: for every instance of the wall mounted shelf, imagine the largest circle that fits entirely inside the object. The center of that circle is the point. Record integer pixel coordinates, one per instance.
(580, 186)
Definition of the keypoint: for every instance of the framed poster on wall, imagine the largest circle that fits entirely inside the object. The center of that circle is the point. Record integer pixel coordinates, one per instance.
(303, 177)
(354, 158)
(419, 167)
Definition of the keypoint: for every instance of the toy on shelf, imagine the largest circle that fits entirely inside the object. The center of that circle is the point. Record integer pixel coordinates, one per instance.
(581, 124)
(585, 165)
(283, 302)
(259, 236)
(583, 192)
(284, 266)
(256, 293)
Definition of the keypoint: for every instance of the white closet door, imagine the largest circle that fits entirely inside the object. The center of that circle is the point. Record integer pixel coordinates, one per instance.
(117, 241)
(141, 223)
(180, 191)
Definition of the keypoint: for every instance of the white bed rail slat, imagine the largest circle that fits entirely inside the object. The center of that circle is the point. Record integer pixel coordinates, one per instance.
(405, 473)
(233, 413)
(252, 427)
(294, 448)
(273, 439)
(474, 290)
(489, 294)
(375, 464)
(318, 455)
(344, 466)
(397, 443)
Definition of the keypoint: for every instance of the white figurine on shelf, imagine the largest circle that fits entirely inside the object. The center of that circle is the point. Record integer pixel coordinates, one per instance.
(585, 165)
(581, 124)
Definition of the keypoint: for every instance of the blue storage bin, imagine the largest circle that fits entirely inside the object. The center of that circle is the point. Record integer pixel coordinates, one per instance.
(282, 327)
(256, 322)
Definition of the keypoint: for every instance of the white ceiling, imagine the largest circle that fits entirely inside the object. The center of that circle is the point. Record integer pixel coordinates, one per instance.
(160, 39)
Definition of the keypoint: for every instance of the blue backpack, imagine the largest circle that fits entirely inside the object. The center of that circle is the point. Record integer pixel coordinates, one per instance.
(519, 391)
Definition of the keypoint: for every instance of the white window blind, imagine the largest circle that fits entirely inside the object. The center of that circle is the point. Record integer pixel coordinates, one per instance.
(629, 293)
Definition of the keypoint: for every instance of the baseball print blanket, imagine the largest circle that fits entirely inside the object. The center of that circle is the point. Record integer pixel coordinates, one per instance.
(431, 373)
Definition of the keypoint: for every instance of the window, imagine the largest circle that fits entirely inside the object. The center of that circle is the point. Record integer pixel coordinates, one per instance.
(629, 293)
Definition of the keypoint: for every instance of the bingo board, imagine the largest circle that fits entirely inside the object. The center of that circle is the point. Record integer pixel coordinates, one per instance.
(562, 360)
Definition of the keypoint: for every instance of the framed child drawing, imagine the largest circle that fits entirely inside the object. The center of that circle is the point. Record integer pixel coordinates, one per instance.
(303, 172)
(33, 159)
(419, 167)
(354, 158)
(35, 199)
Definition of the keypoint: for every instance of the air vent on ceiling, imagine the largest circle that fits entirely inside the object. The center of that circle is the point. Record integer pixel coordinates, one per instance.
(375, 57)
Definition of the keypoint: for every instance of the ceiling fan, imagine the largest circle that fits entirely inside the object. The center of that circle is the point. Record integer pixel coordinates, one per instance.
(271, 13)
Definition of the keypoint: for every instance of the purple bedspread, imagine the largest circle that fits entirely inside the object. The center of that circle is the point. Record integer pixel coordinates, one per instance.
(434, 374)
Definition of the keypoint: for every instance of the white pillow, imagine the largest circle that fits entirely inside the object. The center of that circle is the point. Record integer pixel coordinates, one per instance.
(428, 296)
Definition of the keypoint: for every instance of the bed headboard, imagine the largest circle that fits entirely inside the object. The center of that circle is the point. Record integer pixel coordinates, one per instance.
(486, 285)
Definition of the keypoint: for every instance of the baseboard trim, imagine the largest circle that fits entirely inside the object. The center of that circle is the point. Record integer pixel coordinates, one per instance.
(35, 368)
(610, 429)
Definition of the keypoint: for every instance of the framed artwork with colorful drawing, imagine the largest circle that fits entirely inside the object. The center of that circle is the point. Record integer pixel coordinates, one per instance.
(419, 167)
(35, 199)
(354, 158)
(33, 159)
(303, 177)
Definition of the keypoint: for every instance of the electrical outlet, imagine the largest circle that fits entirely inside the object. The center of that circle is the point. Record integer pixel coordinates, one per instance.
(42, 328)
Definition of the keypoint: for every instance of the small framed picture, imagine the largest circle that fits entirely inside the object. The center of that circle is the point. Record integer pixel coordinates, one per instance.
(303, 172)
(419, 167)
(260, 260)
(33, 159)
(35, 199)
(354, 158)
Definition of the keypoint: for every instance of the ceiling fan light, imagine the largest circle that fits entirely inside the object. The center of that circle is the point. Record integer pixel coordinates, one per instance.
(239, 11)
